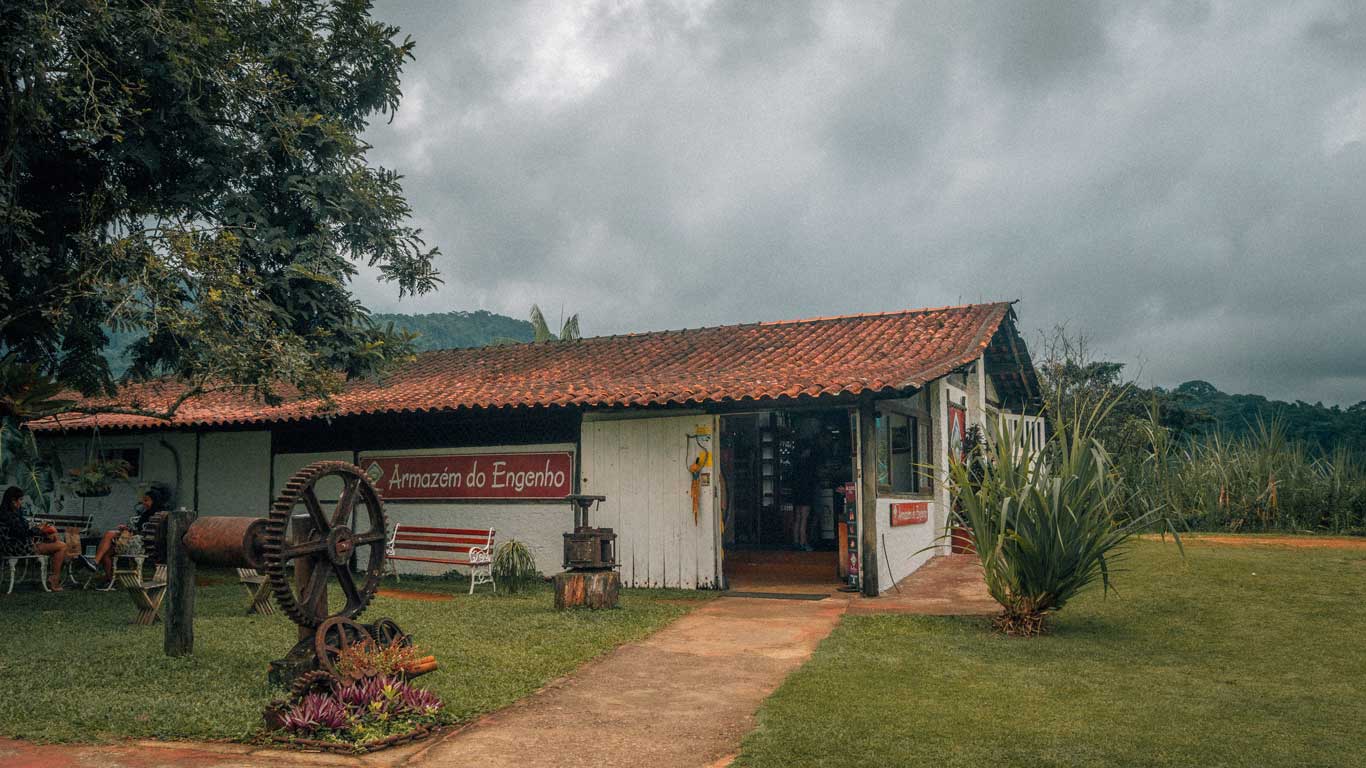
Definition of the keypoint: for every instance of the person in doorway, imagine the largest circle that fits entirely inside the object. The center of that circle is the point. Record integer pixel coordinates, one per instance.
(155, 499)
(18, 538)
(807, 488)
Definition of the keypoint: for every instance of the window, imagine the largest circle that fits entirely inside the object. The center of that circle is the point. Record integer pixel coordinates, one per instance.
(903, 454)
(133, 456)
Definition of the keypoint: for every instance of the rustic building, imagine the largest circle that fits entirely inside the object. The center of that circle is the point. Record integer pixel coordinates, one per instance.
(821, 443)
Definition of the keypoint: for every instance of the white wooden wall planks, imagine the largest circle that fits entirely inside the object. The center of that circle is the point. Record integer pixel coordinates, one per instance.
(641, 466)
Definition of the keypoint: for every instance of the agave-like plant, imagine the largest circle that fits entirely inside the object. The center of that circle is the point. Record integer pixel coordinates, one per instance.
(514, 565)
(1046, 522)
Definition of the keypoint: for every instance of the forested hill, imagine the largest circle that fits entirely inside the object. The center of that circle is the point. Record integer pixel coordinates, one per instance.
(438, 330)
(1321, 427)
(447, 330)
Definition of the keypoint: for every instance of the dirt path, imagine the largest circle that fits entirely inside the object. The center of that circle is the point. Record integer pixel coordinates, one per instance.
(683, 697)
(945, 586)
(1265, 540)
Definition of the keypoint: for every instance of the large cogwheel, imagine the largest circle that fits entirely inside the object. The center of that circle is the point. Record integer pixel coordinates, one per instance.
(344, 544)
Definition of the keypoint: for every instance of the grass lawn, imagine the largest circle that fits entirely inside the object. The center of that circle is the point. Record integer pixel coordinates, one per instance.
(1233, 657)
(74, 669)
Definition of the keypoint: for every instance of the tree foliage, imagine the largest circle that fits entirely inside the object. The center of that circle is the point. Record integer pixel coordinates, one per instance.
(191, 173)
(1074, 380)
(1323, 428)
(569, 327)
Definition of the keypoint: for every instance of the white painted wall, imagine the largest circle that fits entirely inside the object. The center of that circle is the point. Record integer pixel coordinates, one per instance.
(286, 464)
(158, 464)
(641, 465)
(539, 525)
(904, 549)
(908, 547)
(234, 474)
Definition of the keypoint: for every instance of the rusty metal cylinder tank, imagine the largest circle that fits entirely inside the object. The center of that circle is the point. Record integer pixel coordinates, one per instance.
(229, 542)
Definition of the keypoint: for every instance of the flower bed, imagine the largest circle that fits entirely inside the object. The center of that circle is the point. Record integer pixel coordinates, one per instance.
(370, 704)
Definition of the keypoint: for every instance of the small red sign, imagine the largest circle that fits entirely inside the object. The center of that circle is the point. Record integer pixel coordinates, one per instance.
(910, 513)
(480, 476)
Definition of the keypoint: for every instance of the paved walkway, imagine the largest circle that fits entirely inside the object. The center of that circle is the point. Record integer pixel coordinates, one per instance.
(945, 586)
(683, 697)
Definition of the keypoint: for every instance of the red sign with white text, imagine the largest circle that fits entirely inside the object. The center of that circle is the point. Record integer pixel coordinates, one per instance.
(910, 513)
(475, 476)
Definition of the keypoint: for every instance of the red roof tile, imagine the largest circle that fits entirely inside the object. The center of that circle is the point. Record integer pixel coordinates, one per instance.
(847, 354)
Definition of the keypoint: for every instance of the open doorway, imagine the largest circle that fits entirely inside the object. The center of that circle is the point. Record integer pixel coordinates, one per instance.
(782, 507)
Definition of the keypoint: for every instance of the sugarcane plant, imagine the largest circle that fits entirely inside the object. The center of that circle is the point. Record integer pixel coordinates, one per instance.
(1046, 522)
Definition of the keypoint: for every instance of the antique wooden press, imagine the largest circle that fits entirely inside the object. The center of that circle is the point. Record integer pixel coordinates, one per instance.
(590, 579)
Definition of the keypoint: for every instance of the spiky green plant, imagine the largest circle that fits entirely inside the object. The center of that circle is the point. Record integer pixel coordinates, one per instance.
(514, 566)
(1046, 522)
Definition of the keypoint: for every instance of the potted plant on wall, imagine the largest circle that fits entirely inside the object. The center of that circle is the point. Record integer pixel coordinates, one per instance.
(97, 477)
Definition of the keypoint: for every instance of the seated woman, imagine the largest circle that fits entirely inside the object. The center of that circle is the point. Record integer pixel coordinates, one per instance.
(18, 538)
(155, 499)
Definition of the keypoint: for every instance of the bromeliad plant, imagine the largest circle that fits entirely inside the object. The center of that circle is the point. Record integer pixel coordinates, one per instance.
(1046, 522)
(368, 704)
(363, 710)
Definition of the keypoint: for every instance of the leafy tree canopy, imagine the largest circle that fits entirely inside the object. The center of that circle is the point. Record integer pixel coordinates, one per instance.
(1320, 427)
(191, 172)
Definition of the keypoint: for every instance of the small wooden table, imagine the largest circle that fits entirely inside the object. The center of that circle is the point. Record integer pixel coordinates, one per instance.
(125, 565)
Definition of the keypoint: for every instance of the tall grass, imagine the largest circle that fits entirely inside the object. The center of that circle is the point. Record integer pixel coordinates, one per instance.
(1260, 481)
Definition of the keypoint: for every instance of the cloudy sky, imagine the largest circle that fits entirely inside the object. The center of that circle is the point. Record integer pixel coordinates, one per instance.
(1184, 182)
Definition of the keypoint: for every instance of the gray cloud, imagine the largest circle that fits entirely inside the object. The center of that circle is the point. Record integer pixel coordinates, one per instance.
(1184, 182)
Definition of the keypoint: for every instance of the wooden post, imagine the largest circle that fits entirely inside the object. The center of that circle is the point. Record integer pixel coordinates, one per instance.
(587, 589)
(303, 572)
(179, 585)
(867, 435)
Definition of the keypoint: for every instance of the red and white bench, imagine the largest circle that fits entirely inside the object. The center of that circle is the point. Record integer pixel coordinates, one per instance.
(470, 547)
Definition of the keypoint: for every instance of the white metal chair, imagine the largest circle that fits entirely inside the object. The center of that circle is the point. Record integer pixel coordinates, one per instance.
(13, 562)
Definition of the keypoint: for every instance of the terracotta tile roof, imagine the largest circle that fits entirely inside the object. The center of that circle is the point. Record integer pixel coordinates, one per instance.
(847, 354)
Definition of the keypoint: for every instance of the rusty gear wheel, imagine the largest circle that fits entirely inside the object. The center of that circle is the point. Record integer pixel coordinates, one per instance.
(317, 681)
(386, 632)
(334, 636)
(324, 542)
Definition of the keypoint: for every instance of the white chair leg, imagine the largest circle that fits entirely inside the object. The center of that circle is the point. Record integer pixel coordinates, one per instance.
(11, 563)
(42, 572)
(472, 572)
